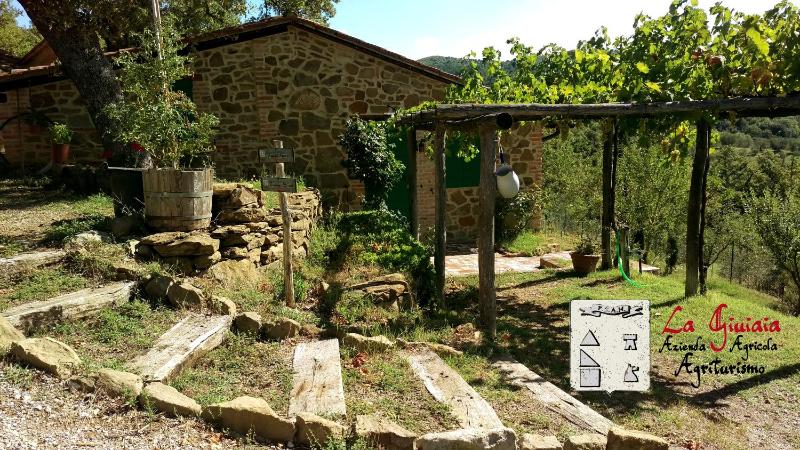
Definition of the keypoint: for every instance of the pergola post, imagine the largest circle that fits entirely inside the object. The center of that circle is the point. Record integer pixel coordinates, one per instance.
(607, 218)
(694, 213)
(411, 145)
(487, 192)
(441, 209)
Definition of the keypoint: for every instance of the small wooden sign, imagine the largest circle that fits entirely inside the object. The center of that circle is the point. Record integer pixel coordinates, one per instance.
(279, 184)
(276, 155)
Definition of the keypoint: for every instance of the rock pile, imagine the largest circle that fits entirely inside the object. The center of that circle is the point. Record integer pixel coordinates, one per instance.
(244, 229)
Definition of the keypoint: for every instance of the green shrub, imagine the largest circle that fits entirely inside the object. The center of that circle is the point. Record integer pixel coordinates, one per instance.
(60, 134)
(379, 238)
(370, 160)
(513, 215)
(162, 122)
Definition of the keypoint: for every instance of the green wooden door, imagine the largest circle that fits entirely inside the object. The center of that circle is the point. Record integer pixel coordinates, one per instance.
(459, 173)
(400, 196)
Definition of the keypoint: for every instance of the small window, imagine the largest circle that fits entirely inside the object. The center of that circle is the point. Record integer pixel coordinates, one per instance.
(3, 97)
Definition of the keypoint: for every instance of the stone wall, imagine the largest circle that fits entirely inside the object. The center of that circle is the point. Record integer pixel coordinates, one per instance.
(301, 88)
(243, 230)
(523, 148)
(295, 86)
(27, 143)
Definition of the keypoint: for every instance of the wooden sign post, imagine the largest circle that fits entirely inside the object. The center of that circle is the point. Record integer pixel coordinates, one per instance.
(282, 184)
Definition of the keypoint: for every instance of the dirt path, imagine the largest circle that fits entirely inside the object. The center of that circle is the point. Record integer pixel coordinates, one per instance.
(41, 413)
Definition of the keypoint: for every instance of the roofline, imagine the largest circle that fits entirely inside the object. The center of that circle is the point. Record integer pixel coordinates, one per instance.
(27, 56)
(242, 33)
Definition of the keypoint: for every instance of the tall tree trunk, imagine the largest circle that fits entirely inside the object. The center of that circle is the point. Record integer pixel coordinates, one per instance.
(69, 33)
(695, 210)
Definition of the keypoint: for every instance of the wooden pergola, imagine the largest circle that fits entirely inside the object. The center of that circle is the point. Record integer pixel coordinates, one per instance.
(487, 119)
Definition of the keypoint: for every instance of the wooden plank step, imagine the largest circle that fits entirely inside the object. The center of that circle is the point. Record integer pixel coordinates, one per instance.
(447, 386)
(72, 306)
(553, 398)
(31, 259)
(317, 379)
(181, 345)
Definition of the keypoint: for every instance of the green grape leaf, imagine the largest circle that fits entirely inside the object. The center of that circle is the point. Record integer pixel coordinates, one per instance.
(757, 39)
(644, 68)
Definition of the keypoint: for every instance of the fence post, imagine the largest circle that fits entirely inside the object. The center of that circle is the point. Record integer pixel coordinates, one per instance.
(288, 244)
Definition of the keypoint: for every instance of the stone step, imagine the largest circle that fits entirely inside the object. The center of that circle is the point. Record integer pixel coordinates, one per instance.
(72, 306)
(447, 387)
(31, 259)
(551, 397)
(317, 380)
(180, 346)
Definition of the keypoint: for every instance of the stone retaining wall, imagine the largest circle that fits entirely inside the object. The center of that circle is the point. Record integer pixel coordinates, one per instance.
(243, 229)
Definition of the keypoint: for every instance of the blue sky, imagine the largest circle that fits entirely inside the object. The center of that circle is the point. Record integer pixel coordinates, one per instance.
(419, 28)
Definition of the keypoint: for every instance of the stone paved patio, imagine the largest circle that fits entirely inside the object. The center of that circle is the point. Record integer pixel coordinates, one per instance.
(467, 264)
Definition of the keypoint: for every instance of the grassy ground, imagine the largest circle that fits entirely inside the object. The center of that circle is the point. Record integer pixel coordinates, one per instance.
(241, 366)
(41, 284)
(116, 335)
(726, 411)
(36, 217)
(384, 384)
(532, 243)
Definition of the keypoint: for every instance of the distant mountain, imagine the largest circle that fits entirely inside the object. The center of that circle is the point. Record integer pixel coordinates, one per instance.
(456, 66)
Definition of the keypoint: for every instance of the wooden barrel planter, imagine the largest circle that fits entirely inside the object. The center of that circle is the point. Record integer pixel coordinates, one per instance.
(177, 200)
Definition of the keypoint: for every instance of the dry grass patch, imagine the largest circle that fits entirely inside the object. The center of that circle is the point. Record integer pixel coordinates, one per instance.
(384, 384)
(39, 284)
(116, 335)
(241, 366)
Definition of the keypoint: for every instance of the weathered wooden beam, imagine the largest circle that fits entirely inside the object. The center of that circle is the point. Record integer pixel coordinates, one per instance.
(694, 209)
(447, 387)
(411, 146)
(72, 306)
(288, 246)
(551, 397)
(486, 194)
(752, 106)
(181, 345)
(31, 259)
(317, 379)
(441, 212)
(607, 216)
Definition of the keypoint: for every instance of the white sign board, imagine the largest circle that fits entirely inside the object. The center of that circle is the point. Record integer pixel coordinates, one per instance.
(276, 155)
(610, 345)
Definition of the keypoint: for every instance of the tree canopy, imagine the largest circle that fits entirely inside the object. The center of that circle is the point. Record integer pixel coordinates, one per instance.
(687, 54)
(14, 39)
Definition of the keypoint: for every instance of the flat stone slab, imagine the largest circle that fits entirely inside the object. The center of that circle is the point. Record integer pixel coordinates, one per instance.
(72, 306)
(447, 386)
(32, 259)
(317, 378)
(551, 397)
(180, 346)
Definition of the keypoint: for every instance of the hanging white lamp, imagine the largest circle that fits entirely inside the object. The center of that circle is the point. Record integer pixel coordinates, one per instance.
(507, 179)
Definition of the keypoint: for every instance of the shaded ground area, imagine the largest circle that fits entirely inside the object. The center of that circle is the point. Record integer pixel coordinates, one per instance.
(34, 217)
(725, 412)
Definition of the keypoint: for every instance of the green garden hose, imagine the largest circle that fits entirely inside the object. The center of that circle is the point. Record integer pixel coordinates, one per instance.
(621, 269)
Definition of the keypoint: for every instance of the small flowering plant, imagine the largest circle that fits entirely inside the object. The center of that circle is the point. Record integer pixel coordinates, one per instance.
(59, 134)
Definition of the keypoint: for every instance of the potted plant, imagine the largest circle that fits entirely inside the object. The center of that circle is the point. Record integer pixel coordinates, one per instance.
(166, 125)
(585, 257)
(60, 137)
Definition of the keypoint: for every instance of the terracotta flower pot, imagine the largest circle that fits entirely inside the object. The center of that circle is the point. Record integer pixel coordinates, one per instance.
(59, 153)
(584, 263)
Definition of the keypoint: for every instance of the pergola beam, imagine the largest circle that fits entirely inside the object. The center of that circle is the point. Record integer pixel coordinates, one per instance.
(744, 106)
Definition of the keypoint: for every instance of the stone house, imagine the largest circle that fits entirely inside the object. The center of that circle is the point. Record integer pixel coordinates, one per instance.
(281, 78)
